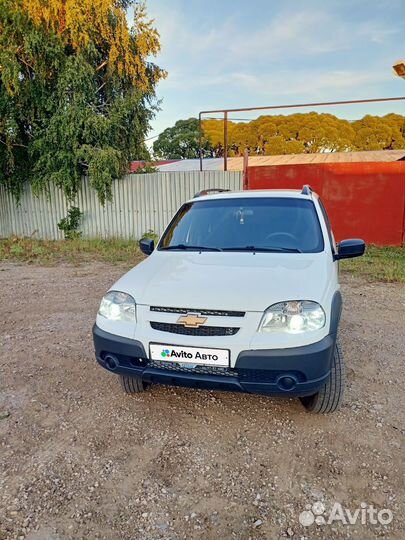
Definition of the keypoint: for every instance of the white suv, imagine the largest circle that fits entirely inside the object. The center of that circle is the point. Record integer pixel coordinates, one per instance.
(241, 293)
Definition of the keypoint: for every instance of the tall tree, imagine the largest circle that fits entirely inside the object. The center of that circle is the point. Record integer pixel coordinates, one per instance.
(307, 132)
(77, 91)
(181, 141)
(374, 133)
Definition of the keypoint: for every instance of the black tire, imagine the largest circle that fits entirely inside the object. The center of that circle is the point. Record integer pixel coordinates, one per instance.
(329, 398)
(132, 385)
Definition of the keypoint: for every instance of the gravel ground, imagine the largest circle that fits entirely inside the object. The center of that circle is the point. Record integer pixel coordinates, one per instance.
(79, 459)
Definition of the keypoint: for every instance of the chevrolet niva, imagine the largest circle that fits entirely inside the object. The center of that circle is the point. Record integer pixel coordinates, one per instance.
(241, 293)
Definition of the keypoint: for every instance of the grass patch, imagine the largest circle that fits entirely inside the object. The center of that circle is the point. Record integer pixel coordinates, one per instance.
(76, 251)
(378, 264)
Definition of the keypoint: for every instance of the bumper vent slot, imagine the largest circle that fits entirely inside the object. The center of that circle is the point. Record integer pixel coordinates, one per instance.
(202, 370)
(201, 331)
(267, 375)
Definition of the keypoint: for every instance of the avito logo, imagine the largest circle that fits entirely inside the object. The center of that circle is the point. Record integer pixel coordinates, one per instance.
(165, 353)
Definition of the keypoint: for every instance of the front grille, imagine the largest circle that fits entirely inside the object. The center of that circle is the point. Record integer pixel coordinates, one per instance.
(203, 370)
(201, 331)
(207, 312)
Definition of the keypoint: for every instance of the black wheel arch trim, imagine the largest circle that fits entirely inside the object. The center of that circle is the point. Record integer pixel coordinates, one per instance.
(336, 312)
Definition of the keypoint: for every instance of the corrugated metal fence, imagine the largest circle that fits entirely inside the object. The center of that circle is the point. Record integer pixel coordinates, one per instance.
(140, 202)
(363, 199)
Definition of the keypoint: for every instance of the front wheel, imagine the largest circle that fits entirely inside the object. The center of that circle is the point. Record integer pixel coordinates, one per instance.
(329, 398)
(132, 385)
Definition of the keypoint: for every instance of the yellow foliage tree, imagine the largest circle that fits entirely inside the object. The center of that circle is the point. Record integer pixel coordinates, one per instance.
(80, 24)
(306, 132)
(77, 92)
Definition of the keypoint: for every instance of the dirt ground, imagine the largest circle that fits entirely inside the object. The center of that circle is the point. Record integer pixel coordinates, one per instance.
(81, 460)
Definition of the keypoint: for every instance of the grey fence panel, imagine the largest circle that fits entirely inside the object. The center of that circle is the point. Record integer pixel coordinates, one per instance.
(33, 216)
(141, 202)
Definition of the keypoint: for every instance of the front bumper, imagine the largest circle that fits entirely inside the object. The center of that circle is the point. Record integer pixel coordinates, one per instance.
(296, 371)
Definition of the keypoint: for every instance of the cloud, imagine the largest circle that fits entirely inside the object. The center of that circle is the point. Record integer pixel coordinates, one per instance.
(376, 33)
(292, 35)
(315, 82)
(293, 53)
(226, 53)
(306, 83)
(288, 34)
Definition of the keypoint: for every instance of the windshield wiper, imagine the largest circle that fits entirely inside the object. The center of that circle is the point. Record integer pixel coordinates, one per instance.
(269, 249)
(186, 247)
(254, 249)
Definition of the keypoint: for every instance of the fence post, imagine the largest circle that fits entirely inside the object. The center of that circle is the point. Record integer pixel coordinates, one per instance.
(245, 169)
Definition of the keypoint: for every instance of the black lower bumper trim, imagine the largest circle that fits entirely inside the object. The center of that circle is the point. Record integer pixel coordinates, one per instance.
(312, 361)
(296, 371)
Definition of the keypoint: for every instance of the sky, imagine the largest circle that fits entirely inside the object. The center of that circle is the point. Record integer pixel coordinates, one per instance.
(239, 53)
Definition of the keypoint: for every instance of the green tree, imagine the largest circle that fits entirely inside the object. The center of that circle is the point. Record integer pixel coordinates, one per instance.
(77, 91)
(181, 141)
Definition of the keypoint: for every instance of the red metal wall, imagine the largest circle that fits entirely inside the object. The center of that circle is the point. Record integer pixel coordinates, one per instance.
(364, 200)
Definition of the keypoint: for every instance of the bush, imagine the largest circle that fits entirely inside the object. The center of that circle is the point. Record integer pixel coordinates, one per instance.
(70, 224)
(150, 235)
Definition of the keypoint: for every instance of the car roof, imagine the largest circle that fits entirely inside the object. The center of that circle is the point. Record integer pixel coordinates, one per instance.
(254, 194)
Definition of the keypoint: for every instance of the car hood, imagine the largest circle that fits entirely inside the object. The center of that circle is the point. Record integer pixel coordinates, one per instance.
(230, 281)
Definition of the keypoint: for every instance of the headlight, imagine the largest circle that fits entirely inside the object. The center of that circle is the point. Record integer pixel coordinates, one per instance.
(293, 317)
(117, 306)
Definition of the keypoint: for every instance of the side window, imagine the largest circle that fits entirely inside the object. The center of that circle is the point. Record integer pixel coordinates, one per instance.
(328, 227)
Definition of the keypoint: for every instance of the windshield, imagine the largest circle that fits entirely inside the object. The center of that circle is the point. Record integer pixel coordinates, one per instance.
(245, 224)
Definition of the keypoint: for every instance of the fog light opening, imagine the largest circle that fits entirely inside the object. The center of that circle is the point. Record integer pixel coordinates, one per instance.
(287, 383)
(111, 362)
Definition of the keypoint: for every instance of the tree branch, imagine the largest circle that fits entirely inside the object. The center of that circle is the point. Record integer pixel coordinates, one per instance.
(101, 86)
(101, 65)
(13, 144)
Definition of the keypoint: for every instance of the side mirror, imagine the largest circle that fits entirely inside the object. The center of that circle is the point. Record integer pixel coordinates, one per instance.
(147, 245)
(347, 249)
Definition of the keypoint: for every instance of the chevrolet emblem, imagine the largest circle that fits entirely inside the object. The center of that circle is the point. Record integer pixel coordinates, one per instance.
(191, 320)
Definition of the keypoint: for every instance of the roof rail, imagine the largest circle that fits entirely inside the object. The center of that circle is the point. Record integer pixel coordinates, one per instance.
(208, 191)
(306, 190)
